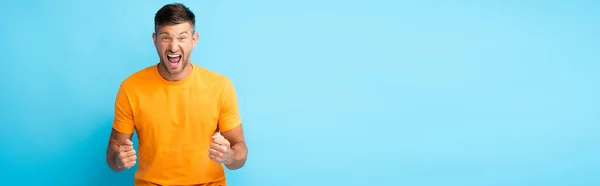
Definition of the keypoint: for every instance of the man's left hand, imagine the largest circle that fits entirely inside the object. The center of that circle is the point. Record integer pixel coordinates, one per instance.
(220, 150)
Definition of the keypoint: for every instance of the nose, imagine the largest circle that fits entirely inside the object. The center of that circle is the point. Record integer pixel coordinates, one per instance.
(173, 47)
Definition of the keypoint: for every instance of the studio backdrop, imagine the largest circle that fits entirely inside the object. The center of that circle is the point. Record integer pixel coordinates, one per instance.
(420, 93)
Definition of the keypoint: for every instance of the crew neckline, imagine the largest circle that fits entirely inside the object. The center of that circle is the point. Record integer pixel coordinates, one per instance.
(192, 75)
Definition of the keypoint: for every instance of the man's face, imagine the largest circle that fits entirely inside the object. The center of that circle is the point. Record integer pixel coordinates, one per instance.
(174, 44)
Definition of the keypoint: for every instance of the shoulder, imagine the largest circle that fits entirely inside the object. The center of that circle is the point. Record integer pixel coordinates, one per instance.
(139, 77)
(212, 78)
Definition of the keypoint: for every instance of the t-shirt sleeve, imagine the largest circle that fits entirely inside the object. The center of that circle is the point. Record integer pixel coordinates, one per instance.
(123, 121)
(229, 116)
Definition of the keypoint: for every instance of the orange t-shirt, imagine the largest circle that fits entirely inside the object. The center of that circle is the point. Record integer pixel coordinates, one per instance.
(174, 122)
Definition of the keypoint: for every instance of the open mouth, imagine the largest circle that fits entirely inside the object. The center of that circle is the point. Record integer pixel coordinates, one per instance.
(174, 60)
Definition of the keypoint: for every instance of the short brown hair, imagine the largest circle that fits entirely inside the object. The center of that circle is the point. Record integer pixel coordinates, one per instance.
(172, 14)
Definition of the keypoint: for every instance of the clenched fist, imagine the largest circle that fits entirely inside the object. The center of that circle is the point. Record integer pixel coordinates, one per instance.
(126, 157)
(220, 150)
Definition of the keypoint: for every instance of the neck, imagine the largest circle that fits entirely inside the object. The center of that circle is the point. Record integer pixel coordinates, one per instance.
(162, 70)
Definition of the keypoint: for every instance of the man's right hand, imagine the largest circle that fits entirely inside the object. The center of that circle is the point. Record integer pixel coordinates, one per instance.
(126, 157)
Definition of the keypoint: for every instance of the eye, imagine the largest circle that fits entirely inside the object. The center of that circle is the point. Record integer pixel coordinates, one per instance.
(182, 38)
(165, 38)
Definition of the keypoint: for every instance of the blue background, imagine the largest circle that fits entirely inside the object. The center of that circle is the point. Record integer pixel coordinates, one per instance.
(427, 93)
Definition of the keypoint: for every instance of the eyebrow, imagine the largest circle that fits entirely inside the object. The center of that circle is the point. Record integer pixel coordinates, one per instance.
(184, 32)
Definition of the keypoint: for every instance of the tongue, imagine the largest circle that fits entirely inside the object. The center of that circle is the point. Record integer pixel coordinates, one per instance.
(174, 59)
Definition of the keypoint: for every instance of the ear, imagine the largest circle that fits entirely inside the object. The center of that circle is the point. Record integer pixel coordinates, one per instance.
(195, 38)
(154, 38)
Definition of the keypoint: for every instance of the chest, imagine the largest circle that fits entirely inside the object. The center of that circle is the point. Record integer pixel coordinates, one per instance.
(176, 112)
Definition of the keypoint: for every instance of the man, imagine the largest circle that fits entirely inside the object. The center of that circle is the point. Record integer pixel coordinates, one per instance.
(186, 117)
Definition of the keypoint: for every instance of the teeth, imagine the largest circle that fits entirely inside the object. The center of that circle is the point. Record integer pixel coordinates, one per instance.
(173, 55)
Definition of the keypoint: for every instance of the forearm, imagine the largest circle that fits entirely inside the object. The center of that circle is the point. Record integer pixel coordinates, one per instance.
(240, 153)
(111, 154)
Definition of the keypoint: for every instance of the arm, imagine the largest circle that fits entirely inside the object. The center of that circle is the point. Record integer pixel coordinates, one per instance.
(230, 125)
(122, 128)
(238, 148)
(116, 139)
